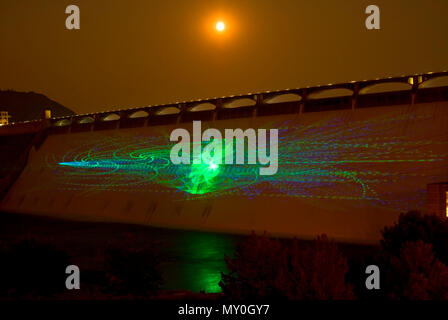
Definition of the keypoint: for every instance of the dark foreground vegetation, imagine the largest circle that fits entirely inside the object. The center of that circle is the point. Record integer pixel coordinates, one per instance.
(412, 257)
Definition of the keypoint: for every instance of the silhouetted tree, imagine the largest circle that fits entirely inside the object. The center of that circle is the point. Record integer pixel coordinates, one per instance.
(414, 226)
(317, 271)
(255, 269)
(133, 269)
(264, 267)
(416, 274)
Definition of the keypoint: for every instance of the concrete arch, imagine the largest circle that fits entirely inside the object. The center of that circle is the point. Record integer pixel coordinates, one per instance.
(138, 114)
(330, 93)
(167, 111)
(206, 106)
(62, 123)
(86, 120)
(111, 117)
(435, 82)
(284, 97)
(239, 103)
(385, 87)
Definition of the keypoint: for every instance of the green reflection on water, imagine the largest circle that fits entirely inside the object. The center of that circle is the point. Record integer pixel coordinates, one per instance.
(197, 260)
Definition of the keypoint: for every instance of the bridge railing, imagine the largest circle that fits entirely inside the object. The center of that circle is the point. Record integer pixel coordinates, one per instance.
(419, 88)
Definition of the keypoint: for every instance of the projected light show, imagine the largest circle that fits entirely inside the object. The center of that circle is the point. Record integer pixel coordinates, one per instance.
(320, 160)
(215, 159)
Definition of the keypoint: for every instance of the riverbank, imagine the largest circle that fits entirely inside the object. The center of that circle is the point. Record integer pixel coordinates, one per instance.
(191, 261)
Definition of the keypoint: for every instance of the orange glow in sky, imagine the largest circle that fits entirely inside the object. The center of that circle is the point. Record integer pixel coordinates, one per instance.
(220, 26)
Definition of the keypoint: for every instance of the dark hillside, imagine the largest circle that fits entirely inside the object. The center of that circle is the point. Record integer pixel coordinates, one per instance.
(24, 106)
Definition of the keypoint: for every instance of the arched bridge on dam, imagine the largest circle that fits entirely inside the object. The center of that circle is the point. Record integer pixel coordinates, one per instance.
(351, 157)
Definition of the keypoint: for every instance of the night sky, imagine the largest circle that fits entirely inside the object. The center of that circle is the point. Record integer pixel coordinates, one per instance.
(141, 52)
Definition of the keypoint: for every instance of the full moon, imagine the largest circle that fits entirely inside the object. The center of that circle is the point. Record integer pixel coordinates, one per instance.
(220, 26)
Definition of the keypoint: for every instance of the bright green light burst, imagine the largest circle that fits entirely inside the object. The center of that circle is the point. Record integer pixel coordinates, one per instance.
(202, 177)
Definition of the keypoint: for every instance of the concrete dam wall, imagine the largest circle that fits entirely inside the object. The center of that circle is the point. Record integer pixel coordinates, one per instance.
(346, 173)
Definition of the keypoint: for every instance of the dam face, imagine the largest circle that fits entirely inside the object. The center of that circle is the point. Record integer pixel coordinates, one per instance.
(347, 173)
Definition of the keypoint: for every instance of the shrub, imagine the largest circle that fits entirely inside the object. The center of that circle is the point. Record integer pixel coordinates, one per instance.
(264, 267)
(317, 271)
(255, 268)
(414, 226)
(30, 269)
(133, 271)
(417, 275)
